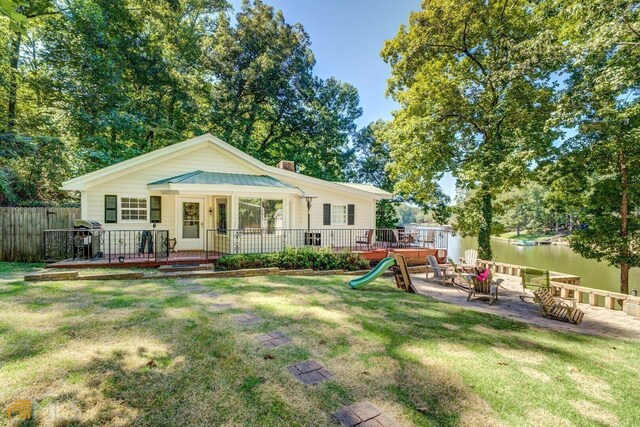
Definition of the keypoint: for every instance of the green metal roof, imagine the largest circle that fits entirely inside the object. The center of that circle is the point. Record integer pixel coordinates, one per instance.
(219, 178)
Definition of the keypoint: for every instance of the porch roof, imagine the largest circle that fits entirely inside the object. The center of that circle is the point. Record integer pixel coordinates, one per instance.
(220, 178)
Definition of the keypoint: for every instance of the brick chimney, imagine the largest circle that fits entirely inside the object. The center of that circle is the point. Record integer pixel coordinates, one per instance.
(287, 165)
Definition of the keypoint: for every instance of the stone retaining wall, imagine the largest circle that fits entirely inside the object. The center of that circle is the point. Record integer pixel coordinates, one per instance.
(249, 272)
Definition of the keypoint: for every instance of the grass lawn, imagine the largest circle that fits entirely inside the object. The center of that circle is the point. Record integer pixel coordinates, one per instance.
(158, 353)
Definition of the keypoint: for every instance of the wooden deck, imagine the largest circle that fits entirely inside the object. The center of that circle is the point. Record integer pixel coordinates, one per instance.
(177, 258)
(413, 255)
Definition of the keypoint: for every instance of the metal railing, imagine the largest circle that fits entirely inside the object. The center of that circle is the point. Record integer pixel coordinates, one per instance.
(245, 241)
(110, 245)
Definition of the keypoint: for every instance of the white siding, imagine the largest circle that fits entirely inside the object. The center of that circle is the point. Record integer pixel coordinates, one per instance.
(213, 159)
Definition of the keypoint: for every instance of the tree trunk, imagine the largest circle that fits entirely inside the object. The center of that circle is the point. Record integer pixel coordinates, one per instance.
(624, 219)
(13, 82)
(484, 234)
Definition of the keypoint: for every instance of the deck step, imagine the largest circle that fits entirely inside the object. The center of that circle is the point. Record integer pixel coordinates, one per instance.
(51, 275)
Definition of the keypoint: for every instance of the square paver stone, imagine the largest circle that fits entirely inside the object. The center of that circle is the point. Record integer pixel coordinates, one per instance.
(273, 339)
(309, 372)
(246, 318)
(364, 414)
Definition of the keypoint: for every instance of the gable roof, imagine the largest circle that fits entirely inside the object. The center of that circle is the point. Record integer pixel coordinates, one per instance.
(82, 182)
(200, 177)
(365, 187)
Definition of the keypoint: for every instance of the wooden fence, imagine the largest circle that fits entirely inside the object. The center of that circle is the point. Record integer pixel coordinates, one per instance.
(21, 230)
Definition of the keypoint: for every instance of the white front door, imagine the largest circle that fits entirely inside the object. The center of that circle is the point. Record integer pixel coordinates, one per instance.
(190, 226)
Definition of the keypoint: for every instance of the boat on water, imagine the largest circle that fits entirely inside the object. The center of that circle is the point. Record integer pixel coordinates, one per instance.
(523, 243)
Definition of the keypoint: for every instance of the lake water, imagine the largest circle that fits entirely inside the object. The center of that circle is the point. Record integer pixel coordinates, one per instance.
(593, 274)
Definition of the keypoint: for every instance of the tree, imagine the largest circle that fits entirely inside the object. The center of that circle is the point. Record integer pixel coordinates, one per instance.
(473, 82)
(265, 100)
(369, 166)
(601, 103)
(10, 8)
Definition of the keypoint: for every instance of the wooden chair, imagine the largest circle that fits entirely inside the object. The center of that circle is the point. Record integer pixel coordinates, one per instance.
(477, 288)
(427, 240)
(534, 278)
(401, 275)
(366, 240)
(557, 308)
(469, 260)
(440, 272)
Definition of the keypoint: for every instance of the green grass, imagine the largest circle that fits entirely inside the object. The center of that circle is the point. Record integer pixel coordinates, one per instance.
(81, 351)
(525, 236)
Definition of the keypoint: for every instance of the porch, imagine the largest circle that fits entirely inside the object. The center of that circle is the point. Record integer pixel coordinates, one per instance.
(154, 247)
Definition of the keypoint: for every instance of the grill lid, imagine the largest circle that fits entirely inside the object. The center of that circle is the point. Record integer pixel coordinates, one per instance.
(86, 223)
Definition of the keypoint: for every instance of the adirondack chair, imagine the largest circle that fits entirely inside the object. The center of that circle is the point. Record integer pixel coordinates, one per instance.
(366, 240)
(533, 278)
(469, 260)
(561, 309)
(440, 272)
(477, 288)
(401, 274)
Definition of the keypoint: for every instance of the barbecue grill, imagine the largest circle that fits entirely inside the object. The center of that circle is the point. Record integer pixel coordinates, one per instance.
(86, 239)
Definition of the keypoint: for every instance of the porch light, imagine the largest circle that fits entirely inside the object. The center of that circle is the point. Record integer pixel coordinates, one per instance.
(309, 198)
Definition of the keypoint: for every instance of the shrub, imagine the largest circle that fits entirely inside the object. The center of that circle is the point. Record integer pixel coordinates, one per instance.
(295, 259)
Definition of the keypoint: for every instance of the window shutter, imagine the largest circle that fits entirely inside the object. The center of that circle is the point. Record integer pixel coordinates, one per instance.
(110, 209)
(326, 211)
(155, 210)
(351, 214)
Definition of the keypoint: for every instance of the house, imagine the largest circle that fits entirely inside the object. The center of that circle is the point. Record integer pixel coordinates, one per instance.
(206, 194)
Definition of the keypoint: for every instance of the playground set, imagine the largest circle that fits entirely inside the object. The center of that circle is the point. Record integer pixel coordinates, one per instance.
(398, 265)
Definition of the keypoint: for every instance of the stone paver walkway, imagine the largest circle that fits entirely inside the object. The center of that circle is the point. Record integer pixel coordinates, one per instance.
(597, 320)
(273, 339)
(364, 414)
(309, 372)
(246, 318)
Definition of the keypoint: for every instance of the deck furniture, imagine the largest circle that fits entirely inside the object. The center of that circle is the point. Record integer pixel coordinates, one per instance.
(475, 287)
(469, 260)
(484, 288)
(533, 278)
(366, 240)
(561, 309)
(406, 238)
(426, 240)
(442, 272)
(401, 274)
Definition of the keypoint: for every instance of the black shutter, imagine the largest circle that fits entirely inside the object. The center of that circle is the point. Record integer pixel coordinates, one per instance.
(110, 209)
(326, 214)
(155, 211)
(351, 214)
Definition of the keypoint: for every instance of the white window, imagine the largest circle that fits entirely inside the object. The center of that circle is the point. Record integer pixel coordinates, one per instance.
(338, 214)
(260, 214)
(133, 208)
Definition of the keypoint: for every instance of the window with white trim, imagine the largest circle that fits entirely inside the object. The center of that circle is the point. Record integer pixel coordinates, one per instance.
(133, 208)
(338, 214)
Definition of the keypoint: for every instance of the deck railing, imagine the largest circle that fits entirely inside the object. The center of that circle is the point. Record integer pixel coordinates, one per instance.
(112, 245)
(245, 241)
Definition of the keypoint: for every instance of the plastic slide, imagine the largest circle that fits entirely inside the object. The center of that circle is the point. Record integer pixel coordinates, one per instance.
(382, 266)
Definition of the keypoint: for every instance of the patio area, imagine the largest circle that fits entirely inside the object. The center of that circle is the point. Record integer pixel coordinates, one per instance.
(597, 320)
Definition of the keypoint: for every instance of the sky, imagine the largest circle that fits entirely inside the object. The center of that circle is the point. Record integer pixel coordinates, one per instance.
(346, 38)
